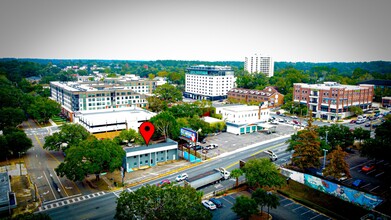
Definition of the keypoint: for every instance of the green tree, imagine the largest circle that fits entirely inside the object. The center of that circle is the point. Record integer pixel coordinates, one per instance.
(245, 207)
(168, 92)
(4, 147)
(356, 110)
(262, 172)
(361, 134)
(155, 104)
(11, 117)
(165, 124)
(42, 109)
(272, 201)
(236, 173)
(338, 135)
(69, 135)
(153, 202)
(17, 141)
(337, 165)
(131, 136)
(91, 156)
(379, 148)
(259, 196)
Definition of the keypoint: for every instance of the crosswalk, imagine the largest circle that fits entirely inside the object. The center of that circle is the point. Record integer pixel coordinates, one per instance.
(117, 193)
(69, 201)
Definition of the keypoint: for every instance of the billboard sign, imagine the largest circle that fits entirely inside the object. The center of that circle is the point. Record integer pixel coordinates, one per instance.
(188, 134)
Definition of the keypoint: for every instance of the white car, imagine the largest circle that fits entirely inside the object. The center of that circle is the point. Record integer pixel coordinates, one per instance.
(208, 204)
(181, 177)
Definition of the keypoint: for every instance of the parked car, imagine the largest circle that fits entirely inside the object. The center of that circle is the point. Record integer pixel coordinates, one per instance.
(294, 117)
(368, 125)
(181, 177)
(274, 122)
(203, 141)
(217, 202)
(208, 204)
(352, 121)
(358, 183)
(368, 168)
(343, 177)
(163, 182)
(197, 147)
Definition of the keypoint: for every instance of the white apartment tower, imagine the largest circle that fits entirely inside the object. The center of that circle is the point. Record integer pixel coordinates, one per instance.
(259, 64)
(208, 82)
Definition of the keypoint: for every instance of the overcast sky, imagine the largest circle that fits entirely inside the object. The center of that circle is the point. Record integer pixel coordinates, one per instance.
(209, 30)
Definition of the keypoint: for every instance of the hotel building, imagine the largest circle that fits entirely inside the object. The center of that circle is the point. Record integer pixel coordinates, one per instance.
(208, 82)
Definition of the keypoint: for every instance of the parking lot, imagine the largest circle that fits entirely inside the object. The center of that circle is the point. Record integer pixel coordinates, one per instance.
(288, 209)
(229, 142)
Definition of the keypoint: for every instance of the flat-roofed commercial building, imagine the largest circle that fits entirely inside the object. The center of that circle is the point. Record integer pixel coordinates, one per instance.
(113, 119)
(242, 119)
(208, 82)
(152, 155)
(269, 94)
(91, 96)
(332, 100)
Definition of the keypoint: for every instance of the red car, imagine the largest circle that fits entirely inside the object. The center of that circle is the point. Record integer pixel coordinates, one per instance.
(164, 182)
(352, 121)
(368, 168)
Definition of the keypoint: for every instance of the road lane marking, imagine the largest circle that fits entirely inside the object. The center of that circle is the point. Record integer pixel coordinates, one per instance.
(379, 174)
(258, 152)
(49, 185)
(60, 183)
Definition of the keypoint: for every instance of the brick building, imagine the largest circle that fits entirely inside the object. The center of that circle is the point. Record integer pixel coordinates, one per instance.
(331, 100)
(269, 94)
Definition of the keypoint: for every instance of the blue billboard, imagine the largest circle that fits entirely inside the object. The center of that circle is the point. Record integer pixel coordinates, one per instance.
(188, 134)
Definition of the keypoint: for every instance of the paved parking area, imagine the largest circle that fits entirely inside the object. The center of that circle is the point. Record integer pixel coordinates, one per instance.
(288, 209)
(228, 142)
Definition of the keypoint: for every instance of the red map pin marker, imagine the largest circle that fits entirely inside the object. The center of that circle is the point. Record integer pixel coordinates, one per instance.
(146, 130)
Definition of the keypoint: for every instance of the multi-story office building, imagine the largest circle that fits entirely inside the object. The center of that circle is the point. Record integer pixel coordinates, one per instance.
(331, 100)
(91, 96)
(208, 82)
(269, 94)
(259, 64)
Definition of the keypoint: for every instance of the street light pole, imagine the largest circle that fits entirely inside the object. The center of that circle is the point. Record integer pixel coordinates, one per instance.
(326, 136)
(324, 158)
(20, 166)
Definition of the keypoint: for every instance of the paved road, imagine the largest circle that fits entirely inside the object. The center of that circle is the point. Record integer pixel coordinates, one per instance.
(40, 165)
(103, 206)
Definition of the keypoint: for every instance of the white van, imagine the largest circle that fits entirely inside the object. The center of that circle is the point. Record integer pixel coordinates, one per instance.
(360, 120)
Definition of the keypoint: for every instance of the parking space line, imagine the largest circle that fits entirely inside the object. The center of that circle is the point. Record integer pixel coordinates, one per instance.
(315, 216)
(374, 188)
(297, 208)
(379, 174)
(305, 212)
(227, 201)
(288, 204)
(366, 185)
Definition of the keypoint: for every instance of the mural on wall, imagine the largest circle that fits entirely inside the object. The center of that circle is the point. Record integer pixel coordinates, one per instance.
(363, 199)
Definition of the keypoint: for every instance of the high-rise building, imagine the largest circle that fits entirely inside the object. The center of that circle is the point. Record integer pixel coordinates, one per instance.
(208, 82)
(259, 64)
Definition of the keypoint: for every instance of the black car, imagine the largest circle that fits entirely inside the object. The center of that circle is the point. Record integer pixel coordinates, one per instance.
(217, 202)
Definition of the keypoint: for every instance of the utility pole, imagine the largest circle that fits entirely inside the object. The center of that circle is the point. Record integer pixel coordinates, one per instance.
(324, 158)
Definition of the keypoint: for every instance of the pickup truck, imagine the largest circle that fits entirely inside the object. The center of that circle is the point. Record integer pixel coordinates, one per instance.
(203, 179)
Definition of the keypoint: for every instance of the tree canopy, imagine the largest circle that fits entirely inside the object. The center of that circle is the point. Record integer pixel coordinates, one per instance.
(69, 135)
(262, 172)
(337, 165)
(245, 207)
(91, 156)
(168, 202)
(169, 93)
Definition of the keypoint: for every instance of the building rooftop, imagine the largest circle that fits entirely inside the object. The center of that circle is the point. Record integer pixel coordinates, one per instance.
(4, 188)
(114, 116)
(327, 86)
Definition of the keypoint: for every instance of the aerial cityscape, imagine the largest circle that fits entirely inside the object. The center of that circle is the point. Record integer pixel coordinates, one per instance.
(195, 110)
